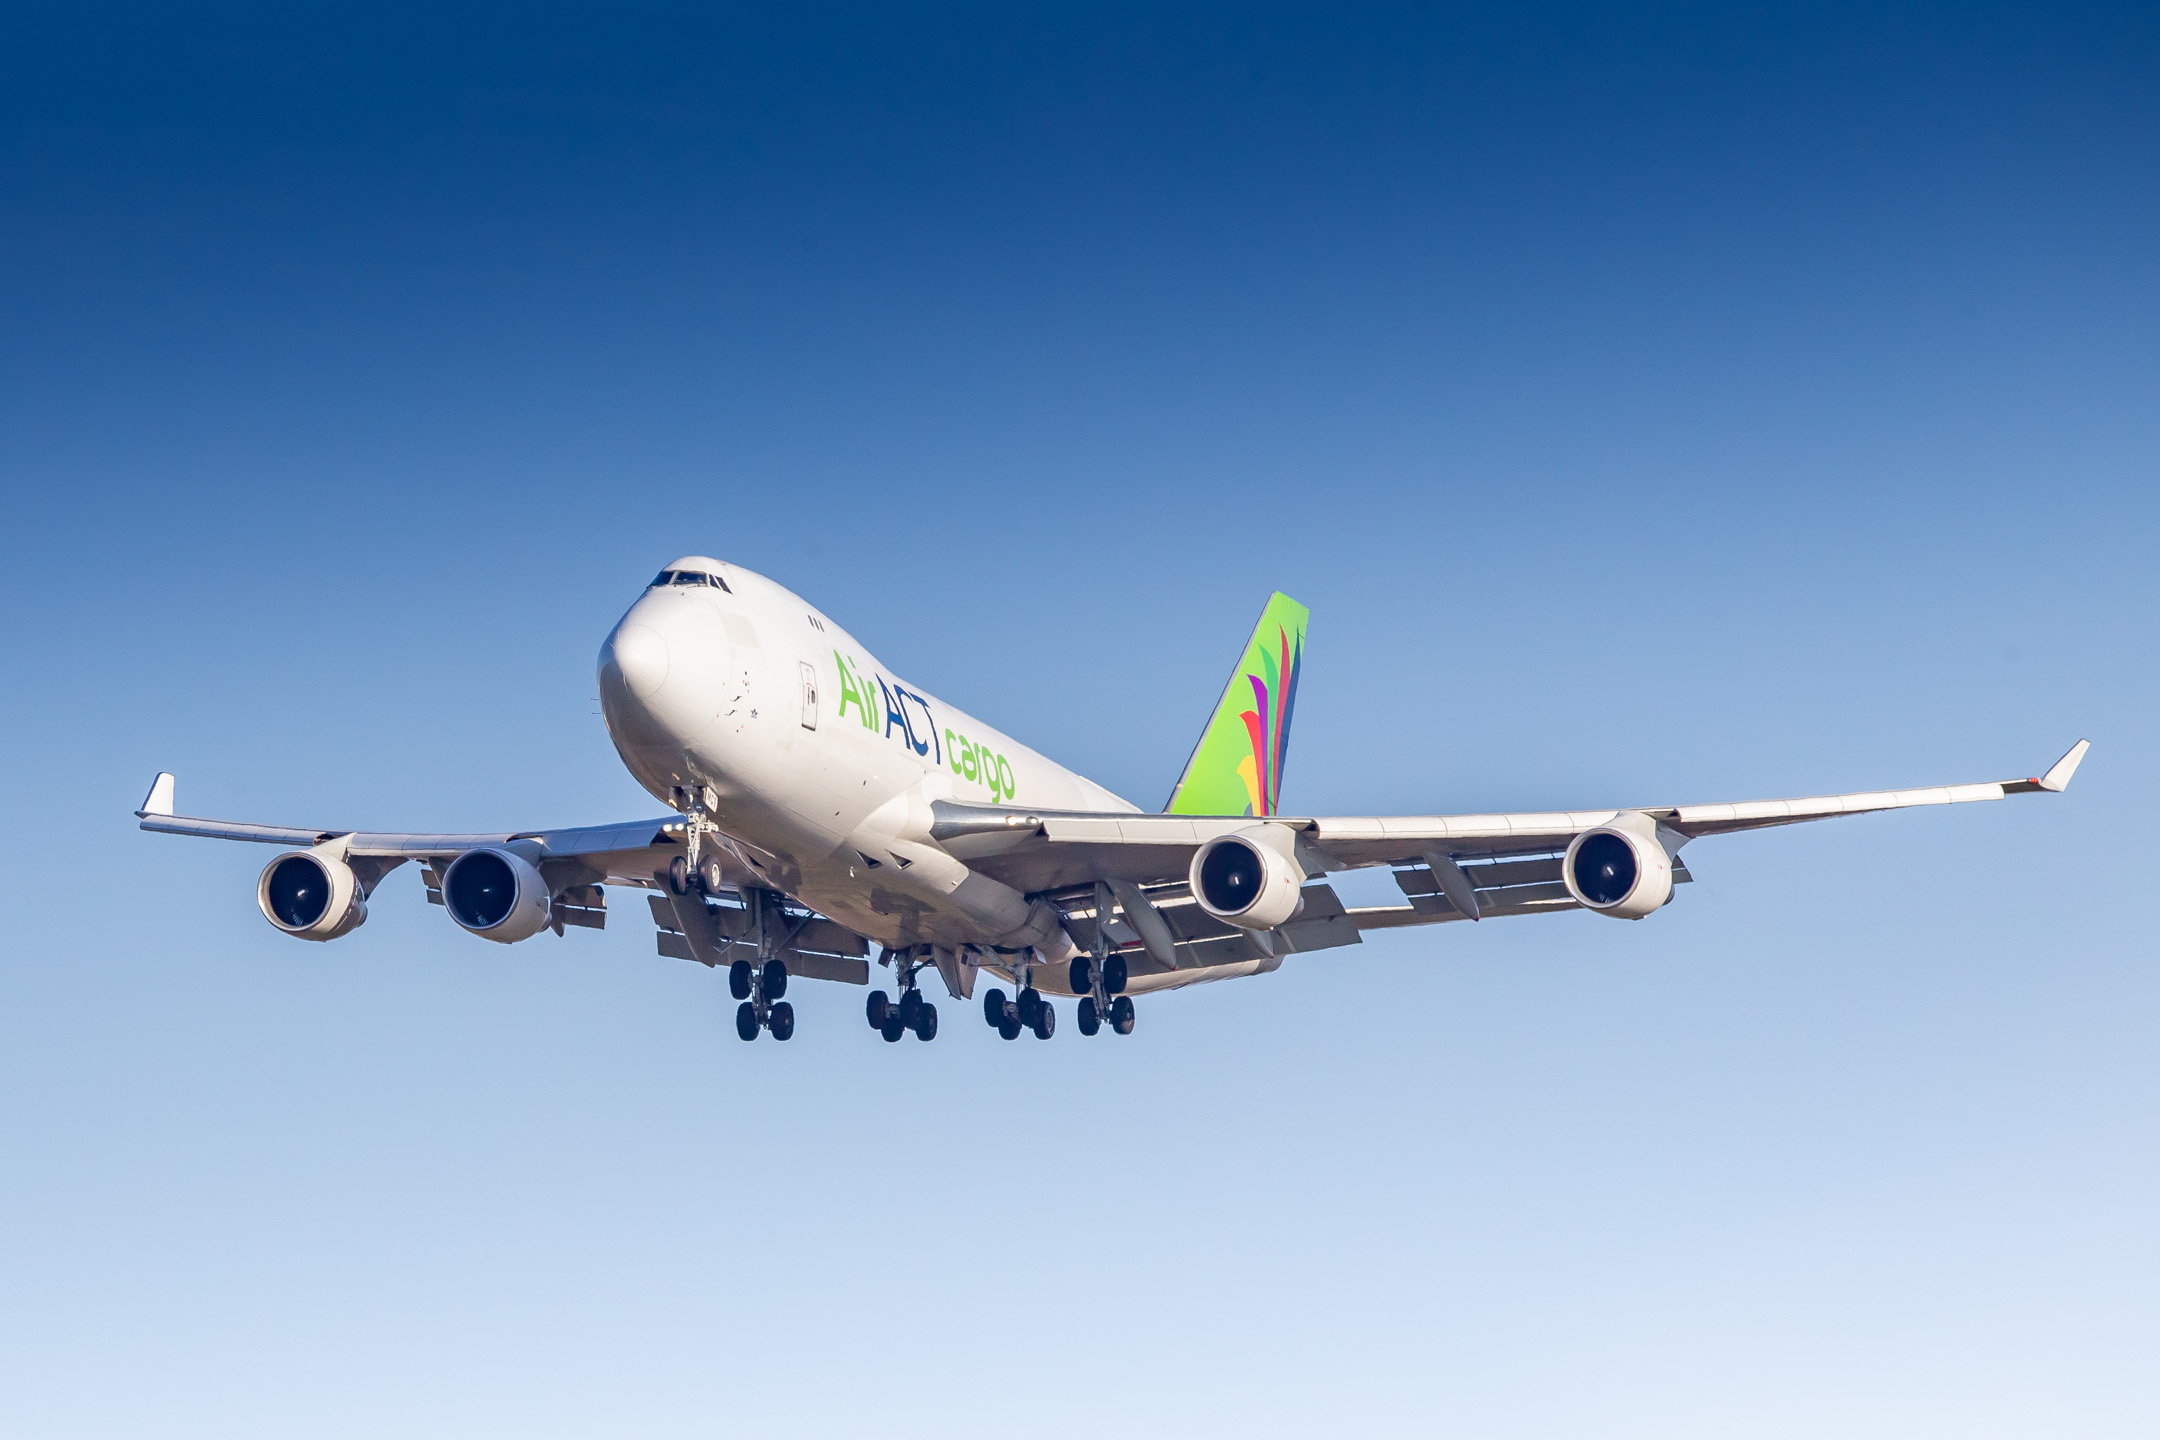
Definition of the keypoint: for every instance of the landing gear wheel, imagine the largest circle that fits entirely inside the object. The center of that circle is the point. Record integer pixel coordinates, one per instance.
(1090, 1019)
(738, 979)
(1113, 975)
(1010, 1030)
(892, 1029)
(1045, 1020)
(710, 877)
(877, 1008)
(1121, 1015)
(926, 1022)
(994, 1008)
(775, 978)
(678, 875)
(746, 1020)
(1028, 1005)
(781, 1021)
(909, 1008)
(1081, 977)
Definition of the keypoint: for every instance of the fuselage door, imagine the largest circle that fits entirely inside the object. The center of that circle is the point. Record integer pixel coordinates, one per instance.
(809, 696)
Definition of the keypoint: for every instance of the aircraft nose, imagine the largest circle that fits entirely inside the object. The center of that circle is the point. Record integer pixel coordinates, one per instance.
(640, 656)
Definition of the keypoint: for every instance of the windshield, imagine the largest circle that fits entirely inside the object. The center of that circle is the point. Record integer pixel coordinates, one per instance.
(688, 577)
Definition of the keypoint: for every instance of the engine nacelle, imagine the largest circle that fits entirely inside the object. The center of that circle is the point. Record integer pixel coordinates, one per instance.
(1248, 878)
(496, 894)
(1617, 872)
(311, 895)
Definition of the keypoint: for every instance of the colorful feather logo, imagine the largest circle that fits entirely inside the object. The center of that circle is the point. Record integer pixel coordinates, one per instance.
(1267, 724)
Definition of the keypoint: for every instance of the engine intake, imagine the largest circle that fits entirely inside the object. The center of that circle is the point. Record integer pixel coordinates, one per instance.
(497, 895)
(1617, 872)
(1248, 879)
(311, 896)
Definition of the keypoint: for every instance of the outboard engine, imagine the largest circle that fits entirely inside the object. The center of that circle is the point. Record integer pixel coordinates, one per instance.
(311, 895)
(496, 894)
(1248, 878)
(1617, 872)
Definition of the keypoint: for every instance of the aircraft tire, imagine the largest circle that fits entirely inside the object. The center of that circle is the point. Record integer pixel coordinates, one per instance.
(1081, 977)
(738, 979)
(1121, 1015)
(893, 1028)
(775, 977)
(746, 1020)
(1028, 1004)
(1113, 975)
(876, 1008)
(711, 878)
(926, 1022)
(1045, 1019)
(782, 1020)
(678, 875)
(1090, 1019)
(994, 1008)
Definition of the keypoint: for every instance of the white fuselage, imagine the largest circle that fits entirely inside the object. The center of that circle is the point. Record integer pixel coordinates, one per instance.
(817, 764)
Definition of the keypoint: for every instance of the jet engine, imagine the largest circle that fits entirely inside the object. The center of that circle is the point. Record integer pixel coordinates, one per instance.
(1617, 872)
(311, 895)
(1248, 879)
(496, 894)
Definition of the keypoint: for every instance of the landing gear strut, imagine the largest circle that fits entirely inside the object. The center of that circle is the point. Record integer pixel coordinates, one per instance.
(759, 986)
(914, 1011)
(1025, 1011)
(1098, 977)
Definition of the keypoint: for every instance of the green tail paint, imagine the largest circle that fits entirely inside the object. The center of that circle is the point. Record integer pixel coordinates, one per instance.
(1236, 769)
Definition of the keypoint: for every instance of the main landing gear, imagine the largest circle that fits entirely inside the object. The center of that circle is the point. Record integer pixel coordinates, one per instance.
(1100, 984)
(760, 987)
(1025, 1011)
(914, 1012)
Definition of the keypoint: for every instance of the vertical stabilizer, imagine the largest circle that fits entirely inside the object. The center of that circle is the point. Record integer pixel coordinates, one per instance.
(1236, 769)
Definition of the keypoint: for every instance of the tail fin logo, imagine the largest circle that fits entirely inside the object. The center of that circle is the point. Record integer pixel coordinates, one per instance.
(1237, 767)
(1267, 724)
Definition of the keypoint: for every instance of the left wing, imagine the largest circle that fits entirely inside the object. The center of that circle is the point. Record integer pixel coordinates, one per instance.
(1450, 867)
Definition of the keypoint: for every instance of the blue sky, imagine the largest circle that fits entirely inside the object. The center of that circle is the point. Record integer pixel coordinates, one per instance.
(1686, 405)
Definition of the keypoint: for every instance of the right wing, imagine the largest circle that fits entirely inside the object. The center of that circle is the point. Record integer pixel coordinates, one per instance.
(578, 863)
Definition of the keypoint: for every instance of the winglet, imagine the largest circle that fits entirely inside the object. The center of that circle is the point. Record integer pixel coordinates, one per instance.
(160, 802)
(2058, 775)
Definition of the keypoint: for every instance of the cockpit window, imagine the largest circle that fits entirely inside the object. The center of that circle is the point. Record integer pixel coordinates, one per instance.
(688, 577)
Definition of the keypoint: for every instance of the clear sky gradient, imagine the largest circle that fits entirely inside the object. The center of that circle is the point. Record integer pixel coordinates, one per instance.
(1654, 407)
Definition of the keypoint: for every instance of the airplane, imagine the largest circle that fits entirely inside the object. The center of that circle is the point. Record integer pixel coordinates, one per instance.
(819, 804)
